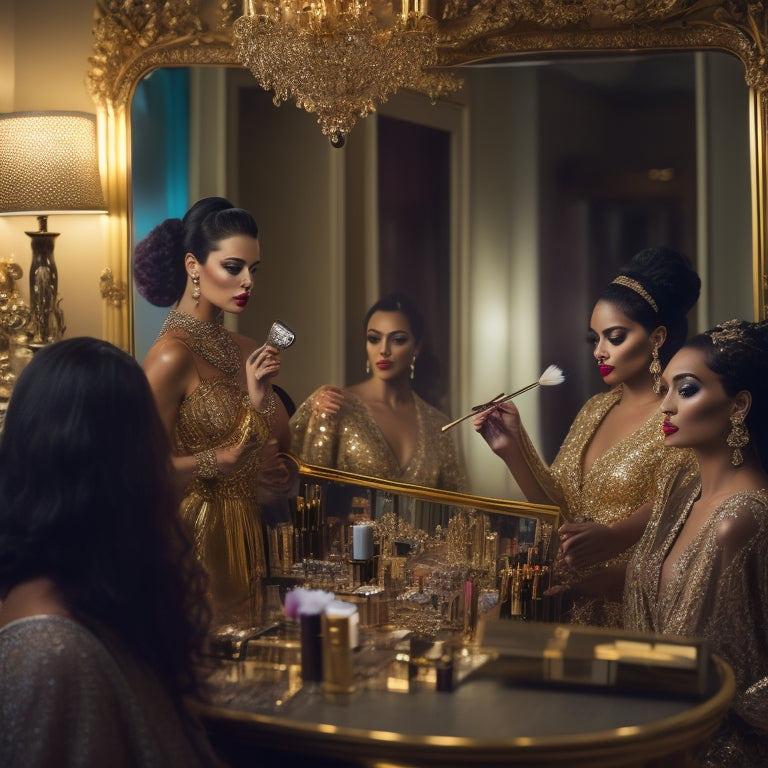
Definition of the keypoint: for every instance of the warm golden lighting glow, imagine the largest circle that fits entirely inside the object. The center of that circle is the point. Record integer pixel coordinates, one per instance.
(340, 59)
(48, 163)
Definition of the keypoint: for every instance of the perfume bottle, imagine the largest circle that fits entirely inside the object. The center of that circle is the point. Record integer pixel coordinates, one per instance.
(340, 632)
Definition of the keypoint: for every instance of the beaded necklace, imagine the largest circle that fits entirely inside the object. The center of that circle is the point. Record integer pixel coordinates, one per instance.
(211, 341)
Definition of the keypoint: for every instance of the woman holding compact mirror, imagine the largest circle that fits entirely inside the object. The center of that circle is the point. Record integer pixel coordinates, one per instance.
(213, 390)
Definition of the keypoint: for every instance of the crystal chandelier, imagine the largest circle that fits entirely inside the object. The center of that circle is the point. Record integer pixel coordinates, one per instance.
(340, 59)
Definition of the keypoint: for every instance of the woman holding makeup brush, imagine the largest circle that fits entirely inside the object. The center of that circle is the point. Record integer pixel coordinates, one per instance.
(381, 427)
(606, 470)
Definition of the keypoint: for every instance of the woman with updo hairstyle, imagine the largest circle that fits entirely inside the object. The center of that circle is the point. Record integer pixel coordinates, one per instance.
(701, 568)
(381, 427)
(214, 393)
(610, 462)
(103, 613)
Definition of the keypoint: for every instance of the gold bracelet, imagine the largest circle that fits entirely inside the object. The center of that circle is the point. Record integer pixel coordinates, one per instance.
(269, 409)
(206, 466)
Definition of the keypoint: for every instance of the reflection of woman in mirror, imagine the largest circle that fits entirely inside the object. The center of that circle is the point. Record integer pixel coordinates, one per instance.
(213, 390)
(103, 621)
(381, 427)
(701, 568)
(608, 466)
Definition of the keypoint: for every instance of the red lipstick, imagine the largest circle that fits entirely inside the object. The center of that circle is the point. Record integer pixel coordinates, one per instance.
(669, 428)
(605, 370)
(242, 299)
(384, 365)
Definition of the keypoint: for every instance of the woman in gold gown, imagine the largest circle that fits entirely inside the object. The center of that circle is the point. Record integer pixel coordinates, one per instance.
(701, 568)
(213, 390)
(380, 427)
(613, 456)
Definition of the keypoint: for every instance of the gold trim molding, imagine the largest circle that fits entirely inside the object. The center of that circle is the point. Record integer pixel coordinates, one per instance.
(131, 39)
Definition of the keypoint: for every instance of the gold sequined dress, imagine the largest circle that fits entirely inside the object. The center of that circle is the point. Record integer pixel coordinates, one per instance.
(620, 481)
(718, 590)
(223, 511)
(350, 440)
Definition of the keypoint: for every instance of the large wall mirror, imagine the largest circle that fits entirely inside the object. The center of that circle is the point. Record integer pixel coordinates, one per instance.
(537, 207)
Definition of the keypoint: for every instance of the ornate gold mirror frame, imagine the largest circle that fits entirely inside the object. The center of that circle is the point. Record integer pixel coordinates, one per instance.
(131, 39)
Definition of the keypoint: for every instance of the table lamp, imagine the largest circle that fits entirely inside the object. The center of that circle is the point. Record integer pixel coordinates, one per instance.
(48, 163)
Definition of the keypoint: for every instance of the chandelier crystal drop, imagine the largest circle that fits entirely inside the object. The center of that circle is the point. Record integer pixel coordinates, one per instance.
(340, 59)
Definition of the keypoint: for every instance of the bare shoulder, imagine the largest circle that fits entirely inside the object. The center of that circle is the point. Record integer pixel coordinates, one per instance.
(168, 359)
(743, 516)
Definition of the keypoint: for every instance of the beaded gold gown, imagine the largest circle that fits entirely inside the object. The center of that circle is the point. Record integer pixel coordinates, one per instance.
(350, 440)
(223, 511)
(620, 481)
(718, 590)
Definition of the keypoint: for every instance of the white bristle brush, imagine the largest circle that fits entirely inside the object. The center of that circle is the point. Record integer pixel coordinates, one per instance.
(551, 377)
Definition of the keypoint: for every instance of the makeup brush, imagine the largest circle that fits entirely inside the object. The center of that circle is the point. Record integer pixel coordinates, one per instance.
(550, 378)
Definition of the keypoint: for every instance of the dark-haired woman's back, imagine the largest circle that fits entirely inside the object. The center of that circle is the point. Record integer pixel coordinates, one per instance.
(70, 699)
(103, 620)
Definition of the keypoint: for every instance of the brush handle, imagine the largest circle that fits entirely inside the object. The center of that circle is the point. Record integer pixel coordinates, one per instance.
(490, 405)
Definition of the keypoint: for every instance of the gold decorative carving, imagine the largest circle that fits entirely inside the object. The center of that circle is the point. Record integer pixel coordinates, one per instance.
(110, 291)
(132, 38)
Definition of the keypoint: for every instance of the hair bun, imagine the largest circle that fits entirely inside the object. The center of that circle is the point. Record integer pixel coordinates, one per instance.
(156, 263)
(670, 278)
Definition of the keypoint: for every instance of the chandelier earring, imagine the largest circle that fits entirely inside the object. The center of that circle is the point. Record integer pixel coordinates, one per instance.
(738, 437)
(413, 367)
(368, 367)
(196, 289)
(655, 369)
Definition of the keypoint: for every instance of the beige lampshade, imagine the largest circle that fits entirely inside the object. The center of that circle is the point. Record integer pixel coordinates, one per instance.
(49, 162)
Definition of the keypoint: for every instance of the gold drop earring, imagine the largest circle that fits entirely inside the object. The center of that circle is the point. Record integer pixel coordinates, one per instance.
(737, 438)
(196, 289)
(368, 367)
(413, 367)
(655, 369)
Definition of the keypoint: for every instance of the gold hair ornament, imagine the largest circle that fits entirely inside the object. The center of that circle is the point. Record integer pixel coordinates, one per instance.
(633, 285)
(724, 333)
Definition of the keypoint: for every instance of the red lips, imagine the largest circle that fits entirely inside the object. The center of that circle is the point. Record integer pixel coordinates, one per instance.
(384, 365)
(605, 370)
(669, 428)
(242, 299)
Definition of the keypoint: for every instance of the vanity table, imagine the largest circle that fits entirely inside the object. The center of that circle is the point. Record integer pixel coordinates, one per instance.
(399, 714)
(483, 722)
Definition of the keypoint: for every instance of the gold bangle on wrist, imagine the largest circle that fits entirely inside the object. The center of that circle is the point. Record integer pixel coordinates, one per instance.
(206, 466)
(268, 411)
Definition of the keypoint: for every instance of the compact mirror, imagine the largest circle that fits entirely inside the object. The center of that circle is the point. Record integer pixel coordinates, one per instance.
(280, 335)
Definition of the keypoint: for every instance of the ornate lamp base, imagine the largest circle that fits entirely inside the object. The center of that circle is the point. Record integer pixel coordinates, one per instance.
(47, 318)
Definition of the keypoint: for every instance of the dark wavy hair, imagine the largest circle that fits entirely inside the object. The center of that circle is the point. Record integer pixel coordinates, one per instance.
(671, 281)
(737, 351)
(87, 500)
(158, 258)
